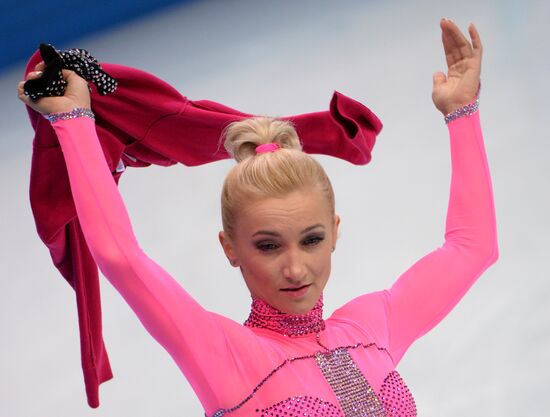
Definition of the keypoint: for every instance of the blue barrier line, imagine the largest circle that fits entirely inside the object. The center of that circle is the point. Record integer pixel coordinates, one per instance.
(25, 24)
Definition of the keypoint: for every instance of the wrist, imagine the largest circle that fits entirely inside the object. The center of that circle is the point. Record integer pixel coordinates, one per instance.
(71, 114)
(464, 110)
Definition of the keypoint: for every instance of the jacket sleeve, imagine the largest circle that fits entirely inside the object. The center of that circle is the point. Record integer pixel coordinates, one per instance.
(198, 340)
(428, 290)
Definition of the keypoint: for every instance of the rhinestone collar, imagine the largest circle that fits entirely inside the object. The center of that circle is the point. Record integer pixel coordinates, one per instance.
(266, 316)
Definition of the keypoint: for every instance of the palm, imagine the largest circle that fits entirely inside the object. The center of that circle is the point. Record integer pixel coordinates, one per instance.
(459, 87)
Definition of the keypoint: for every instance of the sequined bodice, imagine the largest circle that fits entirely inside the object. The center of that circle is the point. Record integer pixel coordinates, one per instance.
(356, 397)
(245, 371)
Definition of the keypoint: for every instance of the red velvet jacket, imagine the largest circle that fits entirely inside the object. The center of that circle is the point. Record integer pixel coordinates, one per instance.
(146, 121)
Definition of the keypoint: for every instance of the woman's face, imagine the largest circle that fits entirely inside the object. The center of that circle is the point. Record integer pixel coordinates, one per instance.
(285, 243)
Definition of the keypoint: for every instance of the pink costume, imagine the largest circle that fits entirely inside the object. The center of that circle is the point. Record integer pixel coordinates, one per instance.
(277, 364)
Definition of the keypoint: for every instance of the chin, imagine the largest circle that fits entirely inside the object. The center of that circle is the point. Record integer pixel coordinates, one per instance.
(302, 306)
(302, 310)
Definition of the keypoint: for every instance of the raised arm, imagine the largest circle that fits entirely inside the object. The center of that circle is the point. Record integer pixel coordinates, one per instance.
(198, 340)
(429, 289)
(426, 292)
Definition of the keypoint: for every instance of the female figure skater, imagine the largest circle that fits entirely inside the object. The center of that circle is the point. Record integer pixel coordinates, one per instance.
(280, 228)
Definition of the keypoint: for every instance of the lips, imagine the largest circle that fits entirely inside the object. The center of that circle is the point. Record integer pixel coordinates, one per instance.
(295, 288)
(296, 292)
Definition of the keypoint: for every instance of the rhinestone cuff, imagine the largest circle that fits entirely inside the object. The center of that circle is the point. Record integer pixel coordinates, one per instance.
(466, 110)
(73, 114)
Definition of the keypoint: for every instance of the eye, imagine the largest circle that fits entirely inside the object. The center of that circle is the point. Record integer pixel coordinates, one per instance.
(313, 240)
(267, 246)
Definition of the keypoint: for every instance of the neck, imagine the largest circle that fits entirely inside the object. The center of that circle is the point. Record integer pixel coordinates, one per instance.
(266, 316)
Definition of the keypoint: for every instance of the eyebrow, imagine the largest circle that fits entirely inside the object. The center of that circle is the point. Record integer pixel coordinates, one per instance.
(271, 233)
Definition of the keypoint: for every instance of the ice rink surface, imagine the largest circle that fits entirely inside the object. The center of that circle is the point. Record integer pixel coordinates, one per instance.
(490, 357)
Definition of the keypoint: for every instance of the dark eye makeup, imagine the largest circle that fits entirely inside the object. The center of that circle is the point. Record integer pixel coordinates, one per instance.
(313, 240)
(266, 246)
(309, 241)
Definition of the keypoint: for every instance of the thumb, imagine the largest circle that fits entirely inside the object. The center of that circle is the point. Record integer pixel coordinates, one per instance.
(439, 78)
(72, 77)
(76, 85)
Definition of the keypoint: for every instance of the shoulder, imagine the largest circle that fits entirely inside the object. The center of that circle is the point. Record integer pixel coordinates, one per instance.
(367, 312)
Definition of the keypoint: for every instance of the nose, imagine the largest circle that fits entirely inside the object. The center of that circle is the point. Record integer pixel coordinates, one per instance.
(294, 266)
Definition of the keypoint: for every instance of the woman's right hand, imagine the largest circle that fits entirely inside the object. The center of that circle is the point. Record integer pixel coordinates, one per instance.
(76, 94)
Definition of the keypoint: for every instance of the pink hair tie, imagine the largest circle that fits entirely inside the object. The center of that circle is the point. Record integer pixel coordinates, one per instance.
(267, 147)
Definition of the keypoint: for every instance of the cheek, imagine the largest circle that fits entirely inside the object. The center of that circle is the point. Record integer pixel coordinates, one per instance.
(257, 270)
(321, 264)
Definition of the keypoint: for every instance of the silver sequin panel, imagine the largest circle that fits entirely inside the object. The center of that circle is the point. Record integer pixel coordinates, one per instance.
(394, 395)
(354, 393)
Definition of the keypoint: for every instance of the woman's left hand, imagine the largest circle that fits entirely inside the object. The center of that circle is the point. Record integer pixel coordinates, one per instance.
(459, 87)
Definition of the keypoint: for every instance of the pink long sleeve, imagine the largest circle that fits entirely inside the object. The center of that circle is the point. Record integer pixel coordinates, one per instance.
(426, 292)
(196, 339)
(235, 369)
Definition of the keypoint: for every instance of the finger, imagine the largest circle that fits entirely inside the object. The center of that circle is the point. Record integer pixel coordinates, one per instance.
(452, 55)
(73, 79)
(67, 73)
(476, 40)
(461, 45)
(455, 48)
(34, 74)
(40, 66)
(72, 75)
(21, 93)
(439, 78)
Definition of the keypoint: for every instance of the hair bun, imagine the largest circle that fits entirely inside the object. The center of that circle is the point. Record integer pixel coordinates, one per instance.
(242, 137)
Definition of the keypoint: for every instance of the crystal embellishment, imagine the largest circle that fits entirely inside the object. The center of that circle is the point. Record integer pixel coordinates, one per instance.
(354, 393)
(74, 113)
(466, 110)
(356, 397)
(396, 397)
(288, 361)
(301, 406)
(265, 316)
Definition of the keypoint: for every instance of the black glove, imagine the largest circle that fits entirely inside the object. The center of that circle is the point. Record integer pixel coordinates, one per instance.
(51, 82)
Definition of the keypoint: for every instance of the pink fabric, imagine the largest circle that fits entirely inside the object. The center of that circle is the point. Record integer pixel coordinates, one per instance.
(212, 350)
(146, 121)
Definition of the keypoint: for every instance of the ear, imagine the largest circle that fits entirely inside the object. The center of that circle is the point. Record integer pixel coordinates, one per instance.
(336, 230)
(227, 246)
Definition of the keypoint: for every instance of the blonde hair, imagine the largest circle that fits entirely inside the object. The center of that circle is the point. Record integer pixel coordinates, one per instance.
(266, 174)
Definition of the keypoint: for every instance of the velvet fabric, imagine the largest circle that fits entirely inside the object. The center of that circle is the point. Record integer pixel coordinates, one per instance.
(146, 121)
